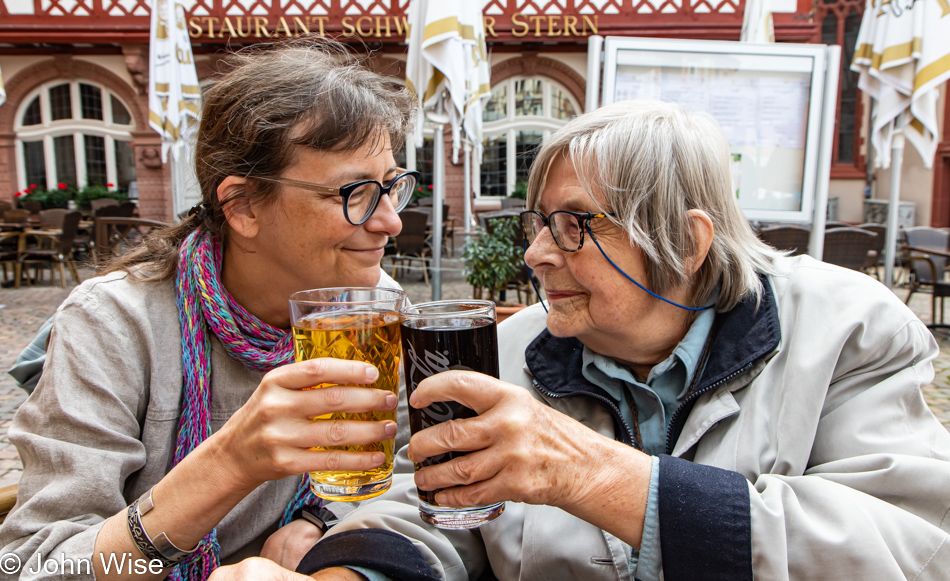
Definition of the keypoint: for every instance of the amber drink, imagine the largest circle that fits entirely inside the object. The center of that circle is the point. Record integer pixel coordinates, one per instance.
(358, 324)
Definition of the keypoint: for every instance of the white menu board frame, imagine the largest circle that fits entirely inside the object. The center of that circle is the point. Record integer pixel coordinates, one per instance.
(767, 97)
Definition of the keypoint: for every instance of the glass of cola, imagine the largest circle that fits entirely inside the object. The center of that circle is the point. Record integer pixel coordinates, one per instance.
(439, 336)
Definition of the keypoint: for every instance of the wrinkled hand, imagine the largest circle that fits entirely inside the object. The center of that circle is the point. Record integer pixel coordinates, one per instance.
(256, 569)
(288, 545)
(271, 436)
(521, 449)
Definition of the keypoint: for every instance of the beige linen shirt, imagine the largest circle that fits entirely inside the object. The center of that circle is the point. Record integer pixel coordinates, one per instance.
(100, 428)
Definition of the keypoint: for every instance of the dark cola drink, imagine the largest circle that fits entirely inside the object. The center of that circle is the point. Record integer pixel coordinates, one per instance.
(442, 336)
(431, 350)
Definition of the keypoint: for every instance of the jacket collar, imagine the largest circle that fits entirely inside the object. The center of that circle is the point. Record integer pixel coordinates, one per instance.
(741, 337)
(738, 339)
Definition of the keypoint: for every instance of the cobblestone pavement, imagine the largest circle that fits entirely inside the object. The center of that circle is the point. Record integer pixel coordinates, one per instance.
(23, 310)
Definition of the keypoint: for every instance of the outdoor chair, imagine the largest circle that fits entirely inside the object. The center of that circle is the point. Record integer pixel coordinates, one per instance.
(835, 224)
(485, 218)
(448, 231)
(848, 247)
(116, 210)
(102, 203)
(84, 241)
(928, 271)
(114, 235)
(52, 219)
(512, 203)
(18, 216)
(31, 206)
(7, 500)
(411, 243)
(58, 252)
(10, 254)
(875, 257)
(5, 205)
(789, 238)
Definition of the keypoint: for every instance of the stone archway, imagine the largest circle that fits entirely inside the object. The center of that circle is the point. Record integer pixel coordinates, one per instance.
(531, 65)
(147, 143)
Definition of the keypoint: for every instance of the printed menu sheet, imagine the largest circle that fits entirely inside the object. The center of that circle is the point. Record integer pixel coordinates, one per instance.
(753, 110)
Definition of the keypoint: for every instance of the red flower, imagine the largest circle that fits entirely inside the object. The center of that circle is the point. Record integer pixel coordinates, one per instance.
(32, 186)
(61, 185)
(110, 185)
(18, 194)
(430, 187)
(420, 188)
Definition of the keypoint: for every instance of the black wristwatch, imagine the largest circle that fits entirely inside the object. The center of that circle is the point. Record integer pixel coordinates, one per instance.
(323, 519)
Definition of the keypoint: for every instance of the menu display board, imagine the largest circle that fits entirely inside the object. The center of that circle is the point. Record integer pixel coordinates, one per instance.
(767, 98)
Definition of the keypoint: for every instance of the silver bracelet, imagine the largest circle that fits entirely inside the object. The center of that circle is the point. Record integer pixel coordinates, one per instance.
(161, 549)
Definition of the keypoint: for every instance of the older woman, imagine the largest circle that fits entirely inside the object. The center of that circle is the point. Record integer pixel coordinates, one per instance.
(779, 433)
(166, 378)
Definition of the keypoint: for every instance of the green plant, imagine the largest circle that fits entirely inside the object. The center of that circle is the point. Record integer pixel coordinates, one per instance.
(521, 190)
(94, 192)
(422, 191)
(491, 260)
(57, 198)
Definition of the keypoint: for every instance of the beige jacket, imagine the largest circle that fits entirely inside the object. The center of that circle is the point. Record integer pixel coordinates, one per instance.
(100, 428)
(829, 463)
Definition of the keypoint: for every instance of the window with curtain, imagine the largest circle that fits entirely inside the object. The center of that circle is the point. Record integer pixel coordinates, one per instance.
(520, 114)
(423, 161)
(76, 133)
(494, 170)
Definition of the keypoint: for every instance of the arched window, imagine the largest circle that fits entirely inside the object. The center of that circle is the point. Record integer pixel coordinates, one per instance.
(521, 113)
(77, 133)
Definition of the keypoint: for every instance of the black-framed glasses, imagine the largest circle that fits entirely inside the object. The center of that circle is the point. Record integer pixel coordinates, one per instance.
(567, 228)
(360, 199)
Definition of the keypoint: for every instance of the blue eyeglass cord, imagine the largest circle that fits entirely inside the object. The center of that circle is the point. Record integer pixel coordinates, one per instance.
(617, 268)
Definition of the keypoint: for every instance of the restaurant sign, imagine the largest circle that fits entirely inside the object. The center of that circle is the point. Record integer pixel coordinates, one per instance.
(380, 27)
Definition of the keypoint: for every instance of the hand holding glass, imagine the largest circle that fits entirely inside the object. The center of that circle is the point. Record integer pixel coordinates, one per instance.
(359, 324)
(436, 337)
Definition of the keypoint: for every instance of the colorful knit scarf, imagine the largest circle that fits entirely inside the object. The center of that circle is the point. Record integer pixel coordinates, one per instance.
(204, 305)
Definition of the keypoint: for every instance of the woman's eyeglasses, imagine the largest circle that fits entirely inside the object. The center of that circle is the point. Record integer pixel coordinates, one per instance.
(360, 199)
(567, 228)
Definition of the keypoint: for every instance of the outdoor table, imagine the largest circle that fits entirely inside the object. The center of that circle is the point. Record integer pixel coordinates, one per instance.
(936, 251)
(25, 231)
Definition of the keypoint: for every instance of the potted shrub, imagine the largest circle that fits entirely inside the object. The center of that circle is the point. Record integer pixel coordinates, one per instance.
(96, 191)
(521, 190)
(55, 198)
(493, 259)
(422, 191)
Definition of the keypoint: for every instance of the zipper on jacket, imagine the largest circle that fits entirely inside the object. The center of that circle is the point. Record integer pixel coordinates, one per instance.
(692, 397)
(600, 398)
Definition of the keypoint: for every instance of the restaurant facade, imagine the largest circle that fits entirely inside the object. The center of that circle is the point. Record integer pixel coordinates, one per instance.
(76, 74)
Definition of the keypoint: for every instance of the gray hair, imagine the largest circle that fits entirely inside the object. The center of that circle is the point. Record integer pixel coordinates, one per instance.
(653, 162)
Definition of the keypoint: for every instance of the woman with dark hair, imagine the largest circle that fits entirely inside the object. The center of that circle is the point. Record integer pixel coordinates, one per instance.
(170, 377)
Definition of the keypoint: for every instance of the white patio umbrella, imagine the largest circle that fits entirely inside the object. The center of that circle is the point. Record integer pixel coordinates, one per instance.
(173, 95)
(757, 22)
(447, 69)
(903, 56)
